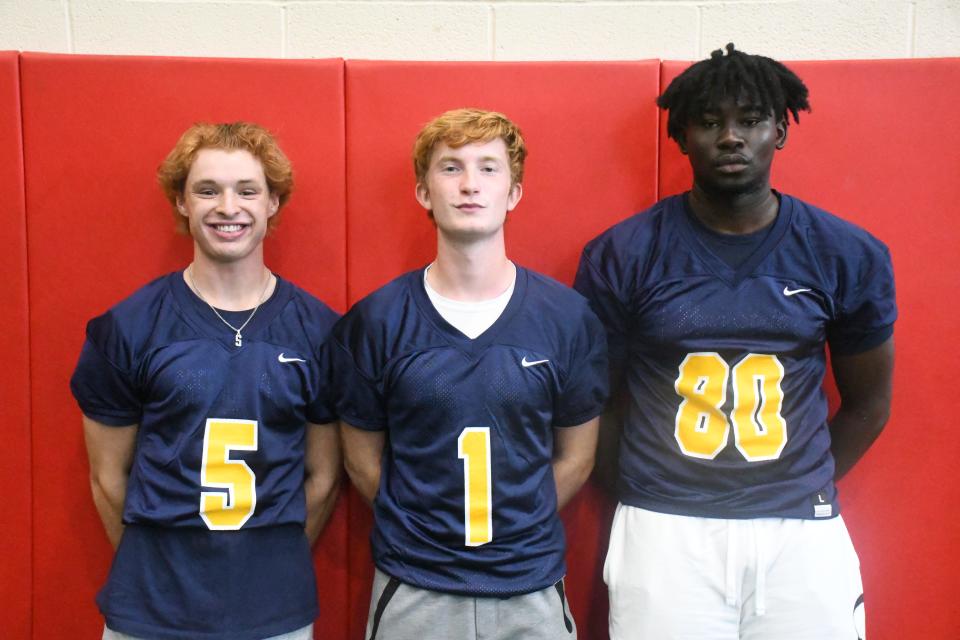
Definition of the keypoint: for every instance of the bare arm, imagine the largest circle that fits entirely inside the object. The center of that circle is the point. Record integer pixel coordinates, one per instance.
(362, 451)
(110, 452)
(865, 382)
(607, 470)
(573, 454)
(321, 481)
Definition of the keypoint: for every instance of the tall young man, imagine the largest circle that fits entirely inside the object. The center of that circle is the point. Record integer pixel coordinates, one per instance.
(213, 457)
(718, 305)
(468, 395)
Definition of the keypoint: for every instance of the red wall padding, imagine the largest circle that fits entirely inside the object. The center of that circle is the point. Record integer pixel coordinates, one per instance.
(881, 149)
(95, 130)
(591, 129)
(15, 370)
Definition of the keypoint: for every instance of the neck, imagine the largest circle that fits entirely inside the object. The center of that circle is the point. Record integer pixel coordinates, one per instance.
(471, 271)
(734, 213)
(231, 286)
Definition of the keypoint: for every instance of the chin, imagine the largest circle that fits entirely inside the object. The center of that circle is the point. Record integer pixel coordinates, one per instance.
(735, 185)
(465, 235)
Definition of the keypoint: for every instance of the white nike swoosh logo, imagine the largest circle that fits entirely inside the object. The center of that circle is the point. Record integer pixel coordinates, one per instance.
(792, 292)
(283, 359)
(527, 363)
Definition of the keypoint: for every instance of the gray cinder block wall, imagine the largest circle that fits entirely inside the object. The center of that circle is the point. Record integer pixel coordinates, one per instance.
(485, 29)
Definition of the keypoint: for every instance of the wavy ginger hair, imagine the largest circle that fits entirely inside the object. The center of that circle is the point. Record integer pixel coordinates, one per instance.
(467, 126)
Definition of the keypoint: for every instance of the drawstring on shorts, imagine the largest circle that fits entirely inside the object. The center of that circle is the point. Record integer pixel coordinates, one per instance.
(760, 567)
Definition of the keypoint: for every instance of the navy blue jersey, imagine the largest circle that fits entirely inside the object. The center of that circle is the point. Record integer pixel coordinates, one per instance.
(219, 454)
(724, 366)
(467, 502)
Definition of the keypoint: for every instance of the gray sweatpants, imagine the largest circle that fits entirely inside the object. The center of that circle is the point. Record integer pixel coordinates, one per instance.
(402, 612)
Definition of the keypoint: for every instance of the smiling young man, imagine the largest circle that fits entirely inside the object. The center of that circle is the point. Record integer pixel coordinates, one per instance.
(468, 393)
(718, 305)
(213, 458)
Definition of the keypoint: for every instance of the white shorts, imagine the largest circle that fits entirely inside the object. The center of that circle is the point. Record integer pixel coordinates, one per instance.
(680, 577)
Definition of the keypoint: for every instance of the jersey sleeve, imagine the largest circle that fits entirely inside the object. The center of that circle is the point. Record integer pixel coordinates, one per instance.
(103, 382)
(585, 389)
(321, 408)
(319, 322)
(867, 307)
(357, 394)
(595, 285)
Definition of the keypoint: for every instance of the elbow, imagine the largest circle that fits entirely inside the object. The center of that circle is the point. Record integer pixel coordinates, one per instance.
(875, 417)
(585, 468)
(355, 470)
(364, 477)
(104, 483)
(324, 485)
(578, 470)
(96, 485)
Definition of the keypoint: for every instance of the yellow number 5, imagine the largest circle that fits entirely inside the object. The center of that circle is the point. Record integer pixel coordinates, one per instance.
(230, 510)
(473, 447)
(702, 429)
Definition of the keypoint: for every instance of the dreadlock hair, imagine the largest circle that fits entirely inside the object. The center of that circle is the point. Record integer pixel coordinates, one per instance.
(757, 80)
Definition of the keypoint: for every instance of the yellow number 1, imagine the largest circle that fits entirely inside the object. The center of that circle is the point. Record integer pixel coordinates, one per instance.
(473, 447)
(230, 510)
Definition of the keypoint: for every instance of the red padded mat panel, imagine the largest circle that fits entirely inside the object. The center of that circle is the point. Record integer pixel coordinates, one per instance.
(881, 149)
(96, 129)
(15, 373)
(591, 132)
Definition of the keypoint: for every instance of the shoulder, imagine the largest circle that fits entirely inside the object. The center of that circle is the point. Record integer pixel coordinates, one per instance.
(546, 294)
(376, 316)
(619, 258)
(632, 236)
(315, 314)
(833, 237)
(130, 322)
(558, 310)
(616, 265)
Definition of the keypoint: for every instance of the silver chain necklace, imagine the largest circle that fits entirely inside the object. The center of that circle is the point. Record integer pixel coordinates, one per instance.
(238, 339)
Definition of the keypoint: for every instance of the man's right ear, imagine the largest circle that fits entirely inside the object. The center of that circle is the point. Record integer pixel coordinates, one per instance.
(682, 143)
(423, 196)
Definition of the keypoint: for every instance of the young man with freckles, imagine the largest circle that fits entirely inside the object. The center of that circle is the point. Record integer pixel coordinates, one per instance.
(214, 461)
(719, 305)
(468, 392)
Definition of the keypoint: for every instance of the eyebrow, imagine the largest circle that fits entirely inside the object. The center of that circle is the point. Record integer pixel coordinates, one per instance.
(210, 181)
(460, 160)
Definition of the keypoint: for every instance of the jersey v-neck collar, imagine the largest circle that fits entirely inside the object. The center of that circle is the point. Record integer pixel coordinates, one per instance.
(469, 346)
(733, 277)
(201, 317)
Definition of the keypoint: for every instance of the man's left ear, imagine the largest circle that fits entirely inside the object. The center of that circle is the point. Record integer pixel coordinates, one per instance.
(516, 192)
(274, 204)
(782, 129)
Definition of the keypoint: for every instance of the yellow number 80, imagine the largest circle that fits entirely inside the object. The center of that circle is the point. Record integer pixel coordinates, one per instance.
(702, 429)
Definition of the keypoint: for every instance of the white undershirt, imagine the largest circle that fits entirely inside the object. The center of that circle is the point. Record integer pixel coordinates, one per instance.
(469, 318)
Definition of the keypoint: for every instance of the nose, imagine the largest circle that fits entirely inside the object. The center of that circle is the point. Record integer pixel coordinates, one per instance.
(468, 181)
(229, 203)
(730, 136)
